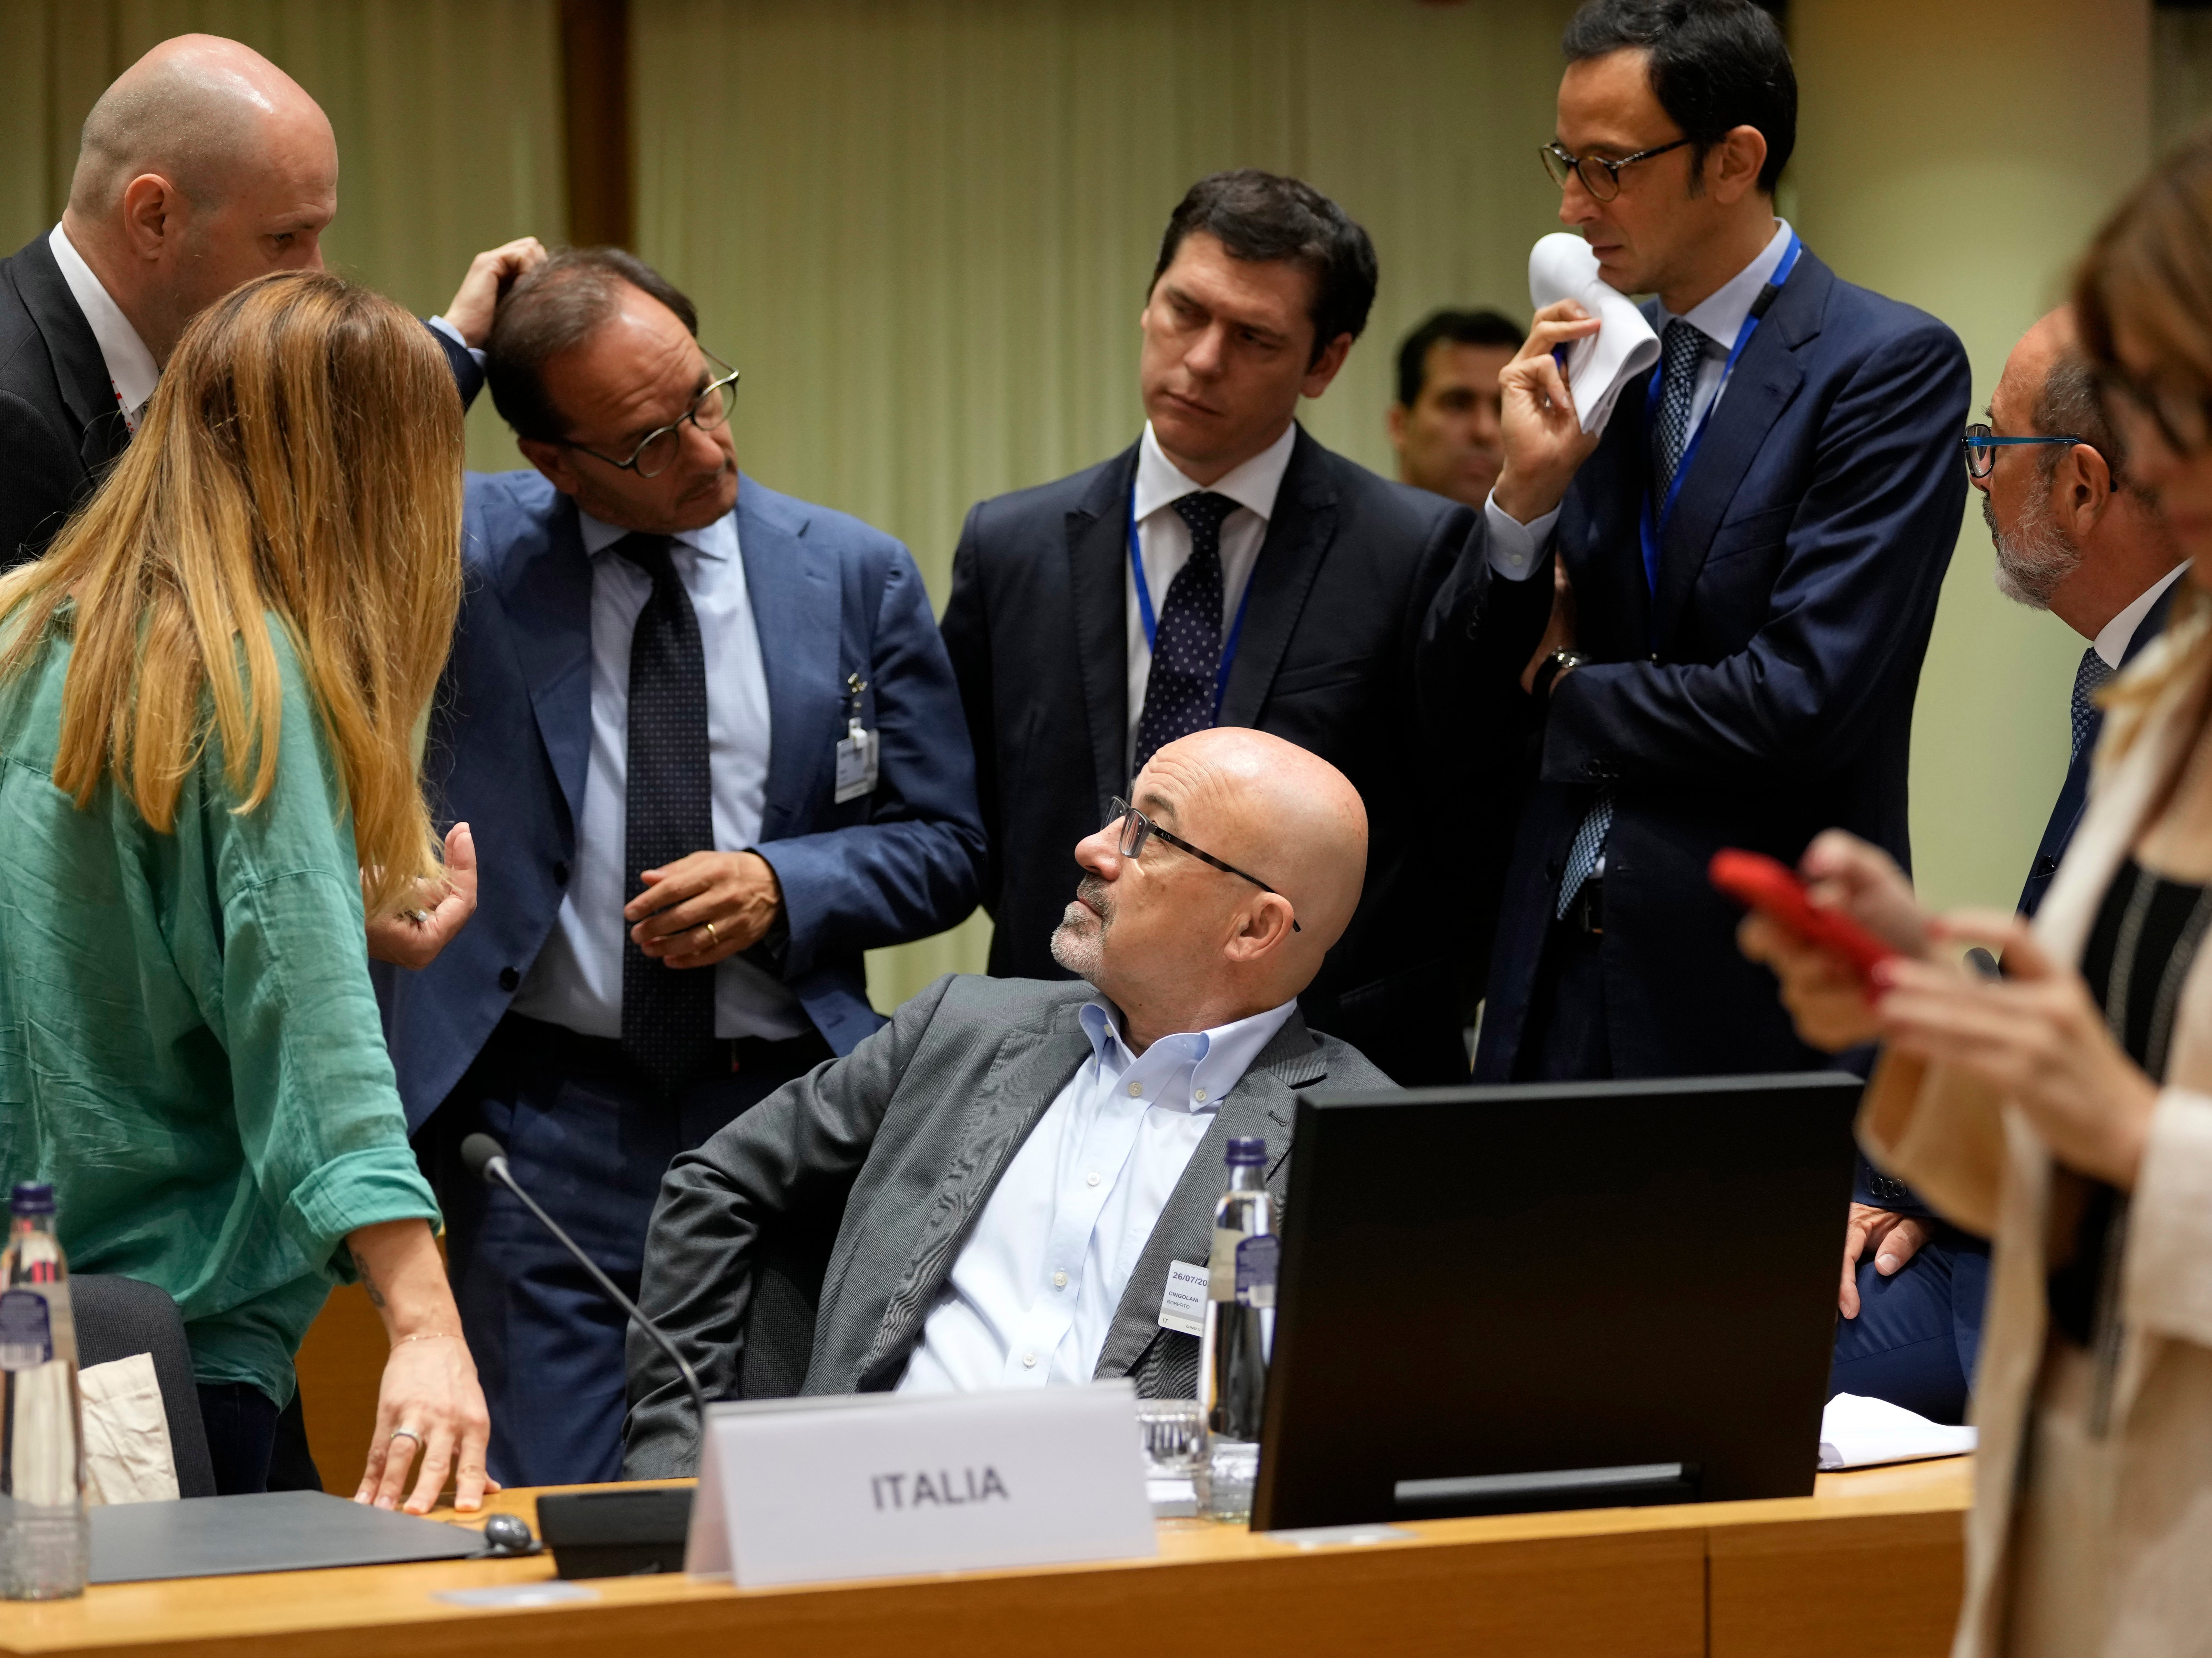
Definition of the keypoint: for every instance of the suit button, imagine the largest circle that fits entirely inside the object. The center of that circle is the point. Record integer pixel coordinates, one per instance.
(508, 978)
(560, 874)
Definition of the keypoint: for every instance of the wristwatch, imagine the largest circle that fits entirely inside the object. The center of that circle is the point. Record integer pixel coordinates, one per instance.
(1550, 669)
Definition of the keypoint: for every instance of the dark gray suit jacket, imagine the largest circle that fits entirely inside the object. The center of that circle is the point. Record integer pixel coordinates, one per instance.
(922, 1119)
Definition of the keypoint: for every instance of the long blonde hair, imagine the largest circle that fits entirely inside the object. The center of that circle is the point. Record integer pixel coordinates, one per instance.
(2149, 268)
(301, 457)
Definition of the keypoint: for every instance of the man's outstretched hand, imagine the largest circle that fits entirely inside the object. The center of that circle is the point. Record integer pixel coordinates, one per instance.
(443, 907)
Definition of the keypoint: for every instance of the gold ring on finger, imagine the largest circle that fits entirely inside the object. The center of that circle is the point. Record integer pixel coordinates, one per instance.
(712, 937)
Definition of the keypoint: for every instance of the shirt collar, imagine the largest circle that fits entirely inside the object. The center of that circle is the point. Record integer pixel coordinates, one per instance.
(1195, 1069)
(718, 540)
(1252, 485)
(131, 367)
(1719, 316)
(2115, 636)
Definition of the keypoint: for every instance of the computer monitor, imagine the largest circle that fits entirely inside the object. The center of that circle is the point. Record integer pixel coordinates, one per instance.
(1554, 1295)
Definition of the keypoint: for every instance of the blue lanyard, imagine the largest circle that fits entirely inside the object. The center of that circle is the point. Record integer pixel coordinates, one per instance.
(1653, 526)
(1151, 623)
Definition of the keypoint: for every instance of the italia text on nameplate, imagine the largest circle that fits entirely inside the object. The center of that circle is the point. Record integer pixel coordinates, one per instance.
(795, 1490)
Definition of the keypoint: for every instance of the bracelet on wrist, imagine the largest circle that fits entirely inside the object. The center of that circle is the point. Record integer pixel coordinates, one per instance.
(428, 1335)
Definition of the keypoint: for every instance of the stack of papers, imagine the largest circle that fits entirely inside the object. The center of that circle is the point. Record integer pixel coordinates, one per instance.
(1857, 1432)
(1562, 267)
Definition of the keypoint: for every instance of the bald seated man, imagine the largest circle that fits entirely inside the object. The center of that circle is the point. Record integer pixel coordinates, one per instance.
(202, 166)
(1024, 1157)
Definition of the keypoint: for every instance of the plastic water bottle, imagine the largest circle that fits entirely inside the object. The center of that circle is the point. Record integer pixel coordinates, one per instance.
(1240, 1321)
(45, 1544)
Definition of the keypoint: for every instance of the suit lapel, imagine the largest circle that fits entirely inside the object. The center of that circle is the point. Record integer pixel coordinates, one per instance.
(1298, 536)
(1767, 378)
(1098, 556)
(793, 587)
(547, 589)
(81, 371)
(1261, 1105)
(1025, 1077)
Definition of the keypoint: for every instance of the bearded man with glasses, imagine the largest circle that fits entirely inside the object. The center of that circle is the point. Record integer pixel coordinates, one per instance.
(710, 741)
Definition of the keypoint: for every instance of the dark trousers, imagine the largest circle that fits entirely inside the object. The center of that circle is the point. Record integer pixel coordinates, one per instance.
(589, 1138)
(252, 1445)
(1917, 1334)
(1564, 1038)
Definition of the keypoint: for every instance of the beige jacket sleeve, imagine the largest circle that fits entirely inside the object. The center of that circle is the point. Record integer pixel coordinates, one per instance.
(1942, 1134)
(2168, 1287)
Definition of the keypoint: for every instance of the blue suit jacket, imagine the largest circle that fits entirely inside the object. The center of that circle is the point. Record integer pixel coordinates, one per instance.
(510, 731)
(1762, 694)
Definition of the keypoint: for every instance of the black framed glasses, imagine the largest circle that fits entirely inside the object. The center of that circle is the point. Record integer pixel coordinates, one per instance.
(2181, 416)
(1980, 448)
(1137, 829)
(1599, 177)
(657, 449)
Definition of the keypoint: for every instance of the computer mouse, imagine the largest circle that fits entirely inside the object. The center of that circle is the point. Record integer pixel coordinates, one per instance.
(507, 1534)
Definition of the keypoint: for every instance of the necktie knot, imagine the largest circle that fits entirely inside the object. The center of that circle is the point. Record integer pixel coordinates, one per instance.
(1204, 512)
(651, 553)
(2092, 677)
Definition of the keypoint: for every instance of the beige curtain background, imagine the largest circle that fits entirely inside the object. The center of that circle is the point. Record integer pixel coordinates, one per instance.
(924, 230)
(447, 115)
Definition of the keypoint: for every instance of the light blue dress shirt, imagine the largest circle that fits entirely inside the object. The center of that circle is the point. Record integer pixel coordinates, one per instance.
(1034, 1292)
(1516, 548)
(576, 980)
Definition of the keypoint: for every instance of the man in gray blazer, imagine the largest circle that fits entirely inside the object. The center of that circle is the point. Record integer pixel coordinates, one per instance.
(1020, 1160)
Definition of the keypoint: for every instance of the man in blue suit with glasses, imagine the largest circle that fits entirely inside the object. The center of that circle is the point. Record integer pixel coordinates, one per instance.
(1708, 620)
(710, 748)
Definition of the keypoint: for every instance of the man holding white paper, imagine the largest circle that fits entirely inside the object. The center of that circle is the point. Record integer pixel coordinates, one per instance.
(1712, 607)
(1028, 1160)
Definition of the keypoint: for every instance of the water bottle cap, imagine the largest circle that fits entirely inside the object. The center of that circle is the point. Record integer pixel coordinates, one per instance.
(33, 1198)
(1246, 1149)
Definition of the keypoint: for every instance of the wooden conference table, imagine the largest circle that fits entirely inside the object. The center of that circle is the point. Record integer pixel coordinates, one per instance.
(1870, 1563)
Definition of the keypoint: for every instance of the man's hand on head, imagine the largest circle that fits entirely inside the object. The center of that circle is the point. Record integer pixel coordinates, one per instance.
(413, 938)
(1544, 441)
(705, 908)
(490, 274)
(1894, 1238)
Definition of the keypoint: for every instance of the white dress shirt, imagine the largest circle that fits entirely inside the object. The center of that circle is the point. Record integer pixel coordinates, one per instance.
(131, 370)
(576, 980)
(1035, 1290)
(1516, 548)
(2113, 640)
(1163, 541)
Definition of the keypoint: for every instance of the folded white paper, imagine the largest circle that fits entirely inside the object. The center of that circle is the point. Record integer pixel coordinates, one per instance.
(1857, 1432)
(797, 1491)
(127, 1455)
(1562, 267)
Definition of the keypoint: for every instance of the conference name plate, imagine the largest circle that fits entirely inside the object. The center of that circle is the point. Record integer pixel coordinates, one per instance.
(804, 1490)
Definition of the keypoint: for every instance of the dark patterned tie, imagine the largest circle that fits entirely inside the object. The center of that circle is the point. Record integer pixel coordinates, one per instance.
(667, 1015)
(1187, 638)
(2089, 678)
(1685, 350)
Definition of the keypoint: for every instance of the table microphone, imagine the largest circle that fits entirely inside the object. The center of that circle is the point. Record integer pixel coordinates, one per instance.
(487, 1160)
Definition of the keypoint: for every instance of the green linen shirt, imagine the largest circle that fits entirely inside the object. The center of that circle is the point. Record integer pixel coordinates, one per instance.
(190, 1049)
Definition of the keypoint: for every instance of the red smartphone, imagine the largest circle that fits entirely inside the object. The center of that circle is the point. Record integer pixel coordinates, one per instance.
(1773, 889)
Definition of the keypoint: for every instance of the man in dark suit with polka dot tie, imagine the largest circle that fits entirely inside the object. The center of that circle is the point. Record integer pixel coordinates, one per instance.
(1226, 570)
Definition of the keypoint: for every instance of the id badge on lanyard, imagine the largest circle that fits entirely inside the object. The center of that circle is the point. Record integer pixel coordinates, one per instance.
(857, 751)
(1652, 526)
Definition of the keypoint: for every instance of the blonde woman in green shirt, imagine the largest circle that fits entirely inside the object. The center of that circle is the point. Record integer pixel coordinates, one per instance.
(208, 689)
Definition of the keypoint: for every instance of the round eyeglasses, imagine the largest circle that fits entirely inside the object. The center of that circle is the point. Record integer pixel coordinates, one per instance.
(1599, 177)
(657, 449)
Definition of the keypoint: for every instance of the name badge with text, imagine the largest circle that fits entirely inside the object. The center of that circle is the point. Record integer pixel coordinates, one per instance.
(801, 1491)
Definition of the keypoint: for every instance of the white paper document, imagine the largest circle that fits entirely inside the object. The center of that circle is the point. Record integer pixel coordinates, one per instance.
(803, 1490)
(1856, 1432)
(1562, 267)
